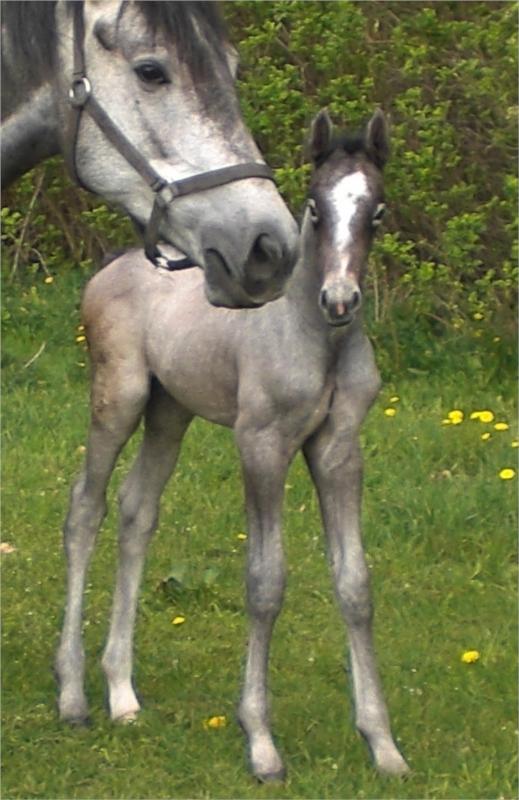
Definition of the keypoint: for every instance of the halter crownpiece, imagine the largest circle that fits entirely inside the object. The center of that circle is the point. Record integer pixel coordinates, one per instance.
(81, 99)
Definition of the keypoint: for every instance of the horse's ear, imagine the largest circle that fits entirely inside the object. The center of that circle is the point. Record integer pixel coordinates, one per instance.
(320, 135)
(377, 139)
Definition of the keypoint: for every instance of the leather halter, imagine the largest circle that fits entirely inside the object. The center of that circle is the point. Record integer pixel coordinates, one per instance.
(82, 99)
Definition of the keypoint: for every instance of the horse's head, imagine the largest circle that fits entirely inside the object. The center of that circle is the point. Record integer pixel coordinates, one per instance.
(345, 206)
(164, 74)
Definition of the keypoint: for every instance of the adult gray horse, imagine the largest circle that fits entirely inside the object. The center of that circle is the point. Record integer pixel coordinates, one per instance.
(296, 374)
(139, 97)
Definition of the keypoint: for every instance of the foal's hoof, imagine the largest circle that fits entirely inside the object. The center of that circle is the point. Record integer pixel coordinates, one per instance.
(393, 765)
(271, 777)
(75, 720)
(74, 714)
(127, 719)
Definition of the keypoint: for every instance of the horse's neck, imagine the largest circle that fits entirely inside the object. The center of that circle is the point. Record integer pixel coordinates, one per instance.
(29, 133)
(29, 117)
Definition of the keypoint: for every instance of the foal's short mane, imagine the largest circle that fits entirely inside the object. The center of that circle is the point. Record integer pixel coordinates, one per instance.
(32, 30)
(350, 143)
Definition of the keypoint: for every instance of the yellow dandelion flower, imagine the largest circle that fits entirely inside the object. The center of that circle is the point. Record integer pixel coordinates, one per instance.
(215, 722)
(478, 316)
(501, 426)
(496, 339)
(507, 474)
(470, 656)
(390, 412)
(446, 422)
(514, 443)
(178, 620)
(80, 328)
(394, 399)
(485, 437)
(456, 416)
(48, 279)
(482, 416)
(80, 338)
(241, 536)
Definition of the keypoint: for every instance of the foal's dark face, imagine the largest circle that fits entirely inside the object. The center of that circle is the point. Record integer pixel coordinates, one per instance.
(346, 205)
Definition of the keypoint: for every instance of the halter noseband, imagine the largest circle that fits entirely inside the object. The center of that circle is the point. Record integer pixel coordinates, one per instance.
(82, 99)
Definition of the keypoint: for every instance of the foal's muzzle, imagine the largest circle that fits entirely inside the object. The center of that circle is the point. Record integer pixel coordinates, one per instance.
(340, 302)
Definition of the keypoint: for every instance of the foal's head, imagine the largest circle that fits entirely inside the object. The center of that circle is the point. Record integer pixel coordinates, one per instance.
(345, 206)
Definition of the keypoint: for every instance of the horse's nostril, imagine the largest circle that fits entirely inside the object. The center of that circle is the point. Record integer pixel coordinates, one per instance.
(323, 298)
(267, 248)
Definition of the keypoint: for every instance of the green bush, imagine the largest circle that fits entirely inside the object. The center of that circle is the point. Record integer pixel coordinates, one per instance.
(445, 73)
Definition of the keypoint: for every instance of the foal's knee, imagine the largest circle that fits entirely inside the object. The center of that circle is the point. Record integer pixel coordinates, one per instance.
(265, 590)
(354, 593)
(85, 514)
(138, 518)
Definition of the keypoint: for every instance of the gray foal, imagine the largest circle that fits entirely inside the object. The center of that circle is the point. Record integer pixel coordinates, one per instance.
(298, 373)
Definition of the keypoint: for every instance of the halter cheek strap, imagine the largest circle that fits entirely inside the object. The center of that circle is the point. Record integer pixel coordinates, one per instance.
(82, 99)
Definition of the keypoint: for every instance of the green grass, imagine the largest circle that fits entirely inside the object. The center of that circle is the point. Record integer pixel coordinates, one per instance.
(440, 536)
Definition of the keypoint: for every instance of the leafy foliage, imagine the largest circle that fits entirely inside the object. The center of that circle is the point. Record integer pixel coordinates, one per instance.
(446, 75)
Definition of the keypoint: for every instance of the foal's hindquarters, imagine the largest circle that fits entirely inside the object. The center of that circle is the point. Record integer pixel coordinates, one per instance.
(206, 361)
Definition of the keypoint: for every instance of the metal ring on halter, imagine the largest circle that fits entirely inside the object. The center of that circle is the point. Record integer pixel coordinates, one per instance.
(79, 92)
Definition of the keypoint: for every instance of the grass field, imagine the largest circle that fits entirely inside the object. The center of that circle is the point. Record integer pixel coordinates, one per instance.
(440, 534)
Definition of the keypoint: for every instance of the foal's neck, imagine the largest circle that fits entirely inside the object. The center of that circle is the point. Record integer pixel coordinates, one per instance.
(302, 292)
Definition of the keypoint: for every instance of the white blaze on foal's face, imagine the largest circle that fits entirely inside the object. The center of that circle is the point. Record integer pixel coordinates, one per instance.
(345, 197)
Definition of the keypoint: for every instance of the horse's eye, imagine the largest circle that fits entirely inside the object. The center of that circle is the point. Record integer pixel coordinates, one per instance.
(312, 208)
(151, 72)
(379, 213)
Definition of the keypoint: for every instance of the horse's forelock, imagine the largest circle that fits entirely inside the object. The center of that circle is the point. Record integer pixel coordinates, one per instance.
(196, 27)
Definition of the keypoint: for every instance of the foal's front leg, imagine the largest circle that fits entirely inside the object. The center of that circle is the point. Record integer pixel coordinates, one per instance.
(264, 469)
(334, 458)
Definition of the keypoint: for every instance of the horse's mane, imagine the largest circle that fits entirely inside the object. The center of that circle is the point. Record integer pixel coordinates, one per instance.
(32, 29)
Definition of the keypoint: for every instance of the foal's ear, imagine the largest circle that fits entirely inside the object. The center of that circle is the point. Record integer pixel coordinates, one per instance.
(320, 135)
(377, 139)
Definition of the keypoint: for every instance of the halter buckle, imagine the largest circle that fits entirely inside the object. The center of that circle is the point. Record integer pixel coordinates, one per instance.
(166, 194)
(79, 92)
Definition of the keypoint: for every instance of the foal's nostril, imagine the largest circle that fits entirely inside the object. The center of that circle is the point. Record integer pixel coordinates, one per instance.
(355, 300)
(323, 299)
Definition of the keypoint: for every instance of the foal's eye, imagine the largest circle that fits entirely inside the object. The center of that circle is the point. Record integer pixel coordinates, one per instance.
(151, 72)
(378, 215)
(312, 208)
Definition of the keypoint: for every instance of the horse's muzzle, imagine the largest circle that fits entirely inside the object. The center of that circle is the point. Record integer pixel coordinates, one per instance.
(260, 279)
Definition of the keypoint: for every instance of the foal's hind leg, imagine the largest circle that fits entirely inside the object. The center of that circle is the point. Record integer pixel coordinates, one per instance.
(165, 425)
(334, 459)
(118, 397)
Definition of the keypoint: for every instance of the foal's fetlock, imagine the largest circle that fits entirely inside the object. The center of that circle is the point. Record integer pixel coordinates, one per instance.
(123, 704)
(266, 763)
(73, 708)
(386, 756)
